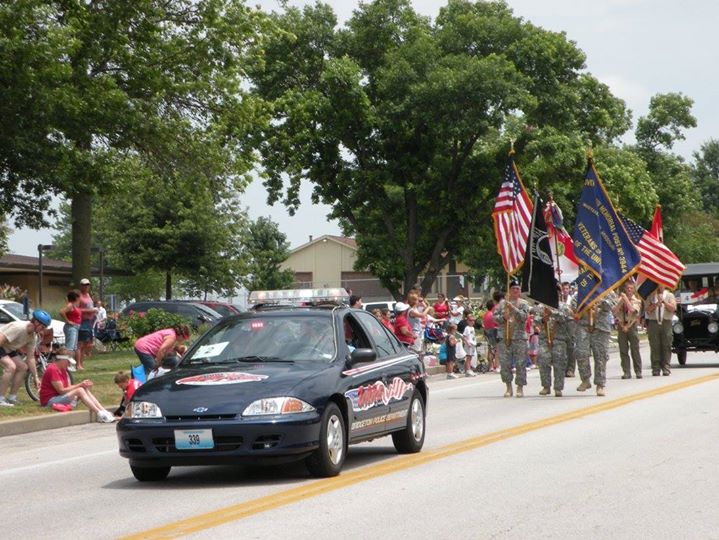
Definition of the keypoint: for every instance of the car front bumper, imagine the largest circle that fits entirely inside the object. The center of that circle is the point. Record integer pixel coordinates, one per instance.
(152, 443)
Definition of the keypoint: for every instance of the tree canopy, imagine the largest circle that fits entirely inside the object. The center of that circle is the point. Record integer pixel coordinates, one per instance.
(97, 89)
(402, 124)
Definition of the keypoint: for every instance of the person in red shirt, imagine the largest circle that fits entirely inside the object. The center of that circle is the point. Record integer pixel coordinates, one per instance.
(402, 328)
(73, 316)
(490, 332)
(441, 307)
(57, 392)
(386, 319)
(128, 387)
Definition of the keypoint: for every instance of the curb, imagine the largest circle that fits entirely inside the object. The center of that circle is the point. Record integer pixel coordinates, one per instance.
(41, 423)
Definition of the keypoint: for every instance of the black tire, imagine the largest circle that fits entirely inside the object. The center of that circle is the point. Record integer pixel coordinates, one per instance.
(150, 474)
(682, 357)
(411, 439)
(32, 390)
(328, 459)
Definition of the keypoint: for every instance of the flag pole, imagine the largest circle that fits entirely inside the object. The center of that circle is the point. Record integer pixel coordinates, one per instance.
(556, 241)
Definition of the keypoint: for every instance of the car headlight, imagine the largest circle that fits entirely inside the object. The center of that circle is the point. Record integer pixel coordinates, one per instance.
(713, 327)
(277, 405)
(143, 409)
(678, 328)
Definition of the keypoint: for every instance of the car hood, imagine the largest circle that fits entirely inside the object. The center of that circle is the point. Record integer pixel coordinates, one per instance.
(224, 389)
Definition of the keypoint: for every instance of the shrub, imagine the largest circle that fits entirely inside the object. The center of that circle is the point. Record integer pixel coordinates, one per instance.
(137, 324)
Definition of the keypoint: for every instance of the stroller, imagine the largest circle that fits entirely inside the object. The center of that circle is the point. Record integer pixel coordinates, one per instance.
(110, 336)
(433, 333)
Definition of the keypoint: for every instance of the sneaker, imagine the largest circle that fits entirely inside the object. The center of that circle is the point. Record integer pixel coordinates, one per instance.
(470, 374)
(13, 400)
(451, 375)
(105, 417)
(5, 403)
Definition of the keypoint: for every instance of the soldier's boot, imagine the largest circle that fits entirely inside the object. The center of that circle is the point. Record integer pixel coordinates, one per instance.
(508, 392)
(520, 391)
(544, 391)
(569, 373)
(585, 385)
(558, 393)
(600, 391)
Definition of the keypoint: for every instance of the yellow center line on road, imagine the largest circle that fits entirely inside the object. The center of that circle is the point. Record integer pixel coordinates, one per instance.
(242, 510)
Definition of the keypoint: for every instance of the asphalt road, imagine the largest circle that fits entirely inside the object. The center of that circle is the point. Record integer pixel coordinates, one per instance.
(639, 463)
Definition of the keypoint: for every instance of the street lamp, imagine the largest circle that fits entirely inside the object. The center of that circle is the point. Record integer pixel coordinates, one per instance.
(101, 251)
(40, 249)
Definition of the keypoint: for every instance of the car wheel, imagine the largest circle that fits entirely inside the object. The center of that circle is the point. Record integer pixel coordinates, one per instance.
(411, 439)
(328, 459)
(682, 357)
(150, 474)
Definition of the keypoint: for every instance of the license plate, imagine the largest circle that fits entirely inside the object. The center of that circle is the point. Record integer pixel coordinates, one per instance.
(194, 439)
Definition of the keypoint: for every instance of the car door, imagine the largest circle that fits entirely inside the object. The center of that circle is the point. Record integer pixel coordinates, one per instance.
(395, 362)
(366, 389)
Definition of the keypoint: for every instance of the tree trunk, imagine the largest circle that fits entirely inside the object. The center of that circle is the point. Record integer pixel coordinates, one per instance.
(168, 285)
(81, 216)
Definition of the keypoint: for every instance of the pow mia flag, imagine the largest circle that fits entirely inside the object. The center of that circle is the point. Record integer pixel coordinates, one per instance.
(539, 279)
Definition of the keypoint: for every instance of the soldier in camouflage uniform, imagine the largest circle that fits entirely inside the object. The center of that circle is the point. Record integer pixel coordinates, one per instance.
(593, 333)
(512, 313)
(566, 298)
(554, 337)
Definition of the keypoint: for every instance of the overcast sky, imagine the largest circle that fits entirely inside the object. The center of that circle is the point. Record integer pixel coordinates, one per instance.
(637, 47)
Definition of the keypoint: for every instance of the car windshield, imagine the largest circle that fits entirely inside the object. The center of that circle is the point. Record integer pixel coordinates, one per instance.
(15, 309)
(267, 339)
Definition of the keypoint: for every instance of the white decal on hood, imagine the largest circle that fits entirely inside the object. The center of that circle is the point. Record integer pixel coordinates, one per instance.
(226, 377)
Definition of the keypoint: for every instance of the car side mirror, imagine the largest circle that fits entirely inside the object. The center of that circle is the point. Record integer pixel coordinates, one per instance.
(359, 356)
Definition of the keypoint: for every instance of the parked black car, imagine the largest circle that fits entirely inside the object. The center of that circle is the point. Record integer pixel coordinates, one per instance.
(696, 323)
(696, 328)
(276, 385)
(197, 314)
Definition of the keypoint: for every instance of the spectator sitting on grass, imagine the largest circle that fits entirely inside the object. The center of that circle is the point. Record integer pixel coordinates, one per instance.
(57, 392)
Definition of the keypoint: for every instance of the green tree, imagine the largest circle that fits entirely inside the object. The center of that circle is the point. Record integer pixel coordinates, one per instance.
(264, 249)
(705, 175)
(185, 229)
(93, 88)
(656, 133)
(402, 124)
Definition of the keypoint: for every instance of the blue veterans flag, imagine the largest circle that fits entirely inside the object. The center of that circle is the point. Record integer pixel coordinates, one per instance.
(602, 245)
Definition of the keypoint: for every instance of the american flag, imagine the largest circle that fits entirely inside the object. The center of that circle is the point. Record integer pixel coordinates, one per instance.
(658, 262)
(512, 216)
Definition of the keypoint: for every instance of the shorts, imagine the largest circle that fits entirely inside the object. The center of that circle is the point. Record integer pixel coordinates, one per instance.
(11, 354)
(71, 333)
(85, 333)
(62, 400)
(491, 335)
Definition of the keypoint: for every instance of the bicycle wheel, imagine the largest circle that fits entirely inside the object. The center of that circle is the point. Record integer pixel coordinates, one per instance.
(32, 390)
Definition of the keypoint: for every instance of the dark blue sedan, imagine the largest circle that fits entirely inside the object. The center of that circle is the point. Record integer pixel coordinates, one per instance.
(277, 385)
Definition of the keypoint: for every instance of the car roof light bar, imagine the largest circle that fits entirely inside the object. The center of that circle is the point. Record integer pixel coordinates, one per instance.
(299, 296)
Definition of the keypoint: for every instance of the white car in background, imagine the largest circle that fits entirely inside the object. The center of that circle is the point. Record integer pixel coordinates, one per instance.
(12, 311)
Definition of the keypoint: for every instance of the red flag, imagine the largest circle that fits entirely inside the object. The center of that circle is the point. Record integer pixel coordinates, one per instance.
(657, 228)
(512, 217)
(561, 243)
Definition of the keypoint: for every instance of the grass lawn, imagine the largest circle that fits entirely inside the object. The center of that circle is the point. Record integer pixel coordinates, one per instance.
(100, 369)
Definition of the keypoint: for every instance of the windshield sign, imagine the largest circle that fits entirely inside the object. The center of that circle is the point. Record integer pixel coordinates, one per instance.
(269, 339)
